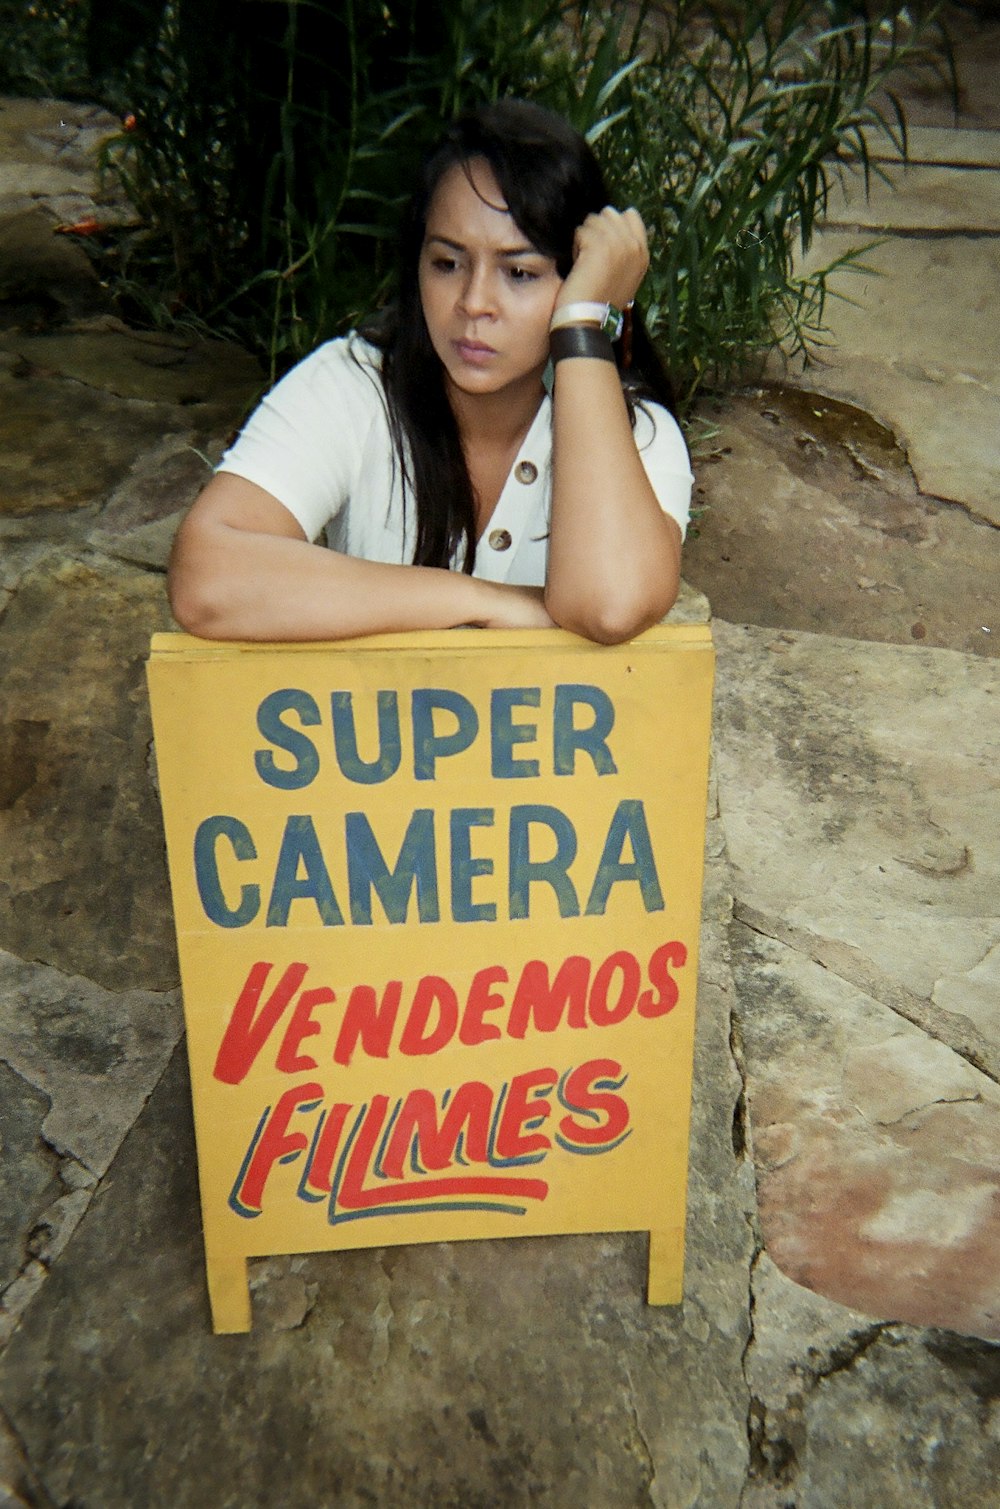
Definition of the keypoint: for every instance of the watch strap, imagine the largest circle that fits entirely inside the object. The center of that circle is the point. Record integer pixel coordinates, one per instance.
(604, 316)
(580, 340)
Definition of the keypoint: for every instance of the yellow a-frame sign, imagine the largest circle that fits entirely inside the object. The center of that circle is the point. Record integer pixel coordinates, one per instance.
(437, 900)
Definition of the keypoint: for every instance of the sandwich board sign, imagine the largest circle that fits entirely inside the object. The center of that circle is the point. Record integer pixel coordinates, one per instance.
(437, 901)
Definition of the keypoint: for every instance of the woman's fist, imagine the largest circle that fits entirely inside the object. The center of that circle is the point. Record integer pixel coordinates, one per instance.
(610, 258)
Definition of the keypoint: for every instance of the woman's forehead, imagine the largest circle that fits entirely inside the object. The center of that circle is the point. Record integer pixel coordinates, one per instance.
(468, 205)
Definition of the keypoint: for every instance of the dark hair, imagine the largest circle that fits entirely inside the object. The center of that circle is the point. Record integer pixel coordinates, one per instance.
(550, 181)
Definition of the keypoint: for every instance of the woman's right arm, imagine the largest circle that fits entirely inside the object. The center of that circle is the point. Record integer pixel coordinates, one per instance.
(242, 568)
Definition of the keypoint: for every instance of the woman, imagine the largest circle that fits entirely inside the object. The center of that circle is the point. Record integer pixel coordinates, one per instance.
(452, 489)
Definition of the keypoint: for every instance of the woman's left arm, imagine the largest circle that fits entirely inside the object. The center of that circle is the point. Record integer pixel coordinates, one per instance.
(614, 555)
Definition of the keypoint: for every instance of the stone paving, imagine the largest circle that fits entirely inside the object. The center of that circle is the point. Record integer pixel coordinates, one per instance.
(838, 1342)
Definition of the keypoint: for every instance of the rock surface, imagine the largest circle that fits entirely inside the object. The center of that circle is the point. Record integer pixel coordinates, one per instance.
(836, 1348)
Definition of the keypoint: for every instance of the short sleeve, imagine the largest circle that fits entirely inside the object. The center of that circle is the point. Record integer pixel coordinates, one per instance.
(664, 456)
(305, 441)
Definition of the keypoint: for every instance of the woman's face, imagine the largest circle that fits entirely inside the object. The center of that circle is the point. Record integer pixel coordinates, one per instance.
(487, 294)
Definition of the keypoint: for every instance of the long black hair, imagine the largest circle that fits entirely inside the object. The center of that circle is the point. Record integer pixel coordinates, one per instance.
(550, 181)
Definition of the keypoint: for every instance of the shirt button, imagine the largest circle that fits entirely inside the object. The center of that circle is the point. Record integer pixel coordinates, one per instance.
(500, 539)
(526, 471)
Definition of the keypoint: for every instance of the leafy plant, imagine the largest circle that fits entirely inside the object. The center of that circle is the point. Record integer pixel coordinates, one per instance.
(268, 162)
(736, 126)
(44, 47)
(267, 204)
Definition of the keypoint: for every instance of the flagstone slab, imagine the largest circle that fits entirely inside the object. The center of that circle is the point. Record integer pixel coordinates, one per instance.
(862, 817)
(974, 38)
(49, 157)
(851, 1415)
(857, 787)
(36, 130)
(82, 873)
(961, 147)
(918, 197)
(35, 263)
(95, 1054)
(918, 346)
(813, 520)
(876, 1146)
(91, 438)
(149, 365)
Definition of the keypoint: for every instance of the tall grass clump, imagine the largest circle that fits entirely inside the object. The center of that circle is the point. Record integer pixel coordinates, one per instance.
(728, 140)
(267, 194)
(43, 47)
(270, 146)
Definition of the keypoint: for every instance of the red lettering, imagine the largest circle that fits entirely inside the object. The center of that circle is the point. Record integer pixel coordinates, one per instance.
(247, 1030)
(601, 1014)
(431, 991)
(662, 980)
(580, 1097)
(538, 1001)
(352, 1194)
(368, 1022)
(320, 1173)
(289, 1060)
(482, 999)
(467, 1112)
(519, 1110)
(275, 1142)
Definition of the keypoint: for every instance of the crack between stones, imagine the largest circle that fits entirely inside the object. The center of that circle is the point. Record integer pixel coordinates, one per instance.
(20, 1293)
(914, 232)
(52, 1230)
(960, 504)
(637, 1427)
(741, 1133)
(39, 1495)
(932, 162)
(945, 1100)
(756, 1409)
(773, 1459)
(130, 399)
(844, 1357)
(854, 968)
(967, 509)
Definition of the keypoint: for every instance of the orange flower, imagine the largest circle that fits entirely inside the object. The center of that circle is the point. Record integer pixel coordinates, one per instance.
(130, 122)
(87, 227)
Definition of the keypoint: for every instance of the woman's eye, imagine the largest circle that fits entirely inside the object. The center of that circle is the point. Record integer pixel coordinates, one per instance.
(522, 274)
(444, 264)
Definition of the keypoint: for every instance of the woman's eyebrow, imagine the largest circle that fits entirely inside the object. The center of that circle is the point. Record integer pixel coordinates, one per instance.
(506, 251)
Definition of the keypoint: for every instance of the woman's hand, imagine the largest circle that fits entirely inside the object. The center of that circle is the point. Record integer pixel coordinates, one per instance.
(610, 258)
(507, 607)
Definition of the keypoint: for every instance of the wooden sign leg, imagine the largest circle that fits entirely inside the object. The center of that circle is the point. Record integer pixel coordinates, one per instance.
(228, 1292)
(666, 1267)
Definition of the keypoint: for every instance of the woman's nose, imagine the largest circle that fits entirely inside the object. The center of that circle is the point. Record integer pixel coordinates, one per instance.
(478, 294)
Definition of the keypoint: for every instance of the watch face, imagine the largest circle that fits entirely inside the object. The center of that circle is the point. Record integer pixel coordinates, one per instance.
(613, 322)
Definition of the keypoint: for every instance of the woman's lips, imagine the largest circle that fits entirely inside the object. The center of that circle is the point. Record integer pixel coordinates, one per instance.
(476, 353)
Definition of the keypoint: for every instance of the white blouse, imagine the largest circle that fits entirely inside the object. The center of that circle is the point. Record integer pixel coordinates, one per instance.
(320, 443)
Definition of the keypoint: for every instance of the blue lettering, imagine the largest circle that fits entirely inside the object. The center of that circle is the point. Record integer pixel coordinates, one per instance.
(345, 739)
(206, 870)
(554, 872)
(629, 822)
(301, 748)
(567, 739)
(300, 846)
(464, 868)
(505, 733)
(428, 746)
(416, 868)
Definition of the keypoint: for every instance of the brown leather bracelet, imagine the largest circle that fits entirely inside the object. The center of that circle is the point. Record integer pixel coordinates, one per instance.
(580, 340)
